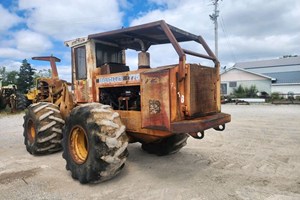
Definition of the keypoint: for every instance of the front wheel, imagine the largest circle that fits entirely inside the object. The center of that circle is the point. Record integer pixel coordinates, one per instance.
(94, 143)
(43, 128)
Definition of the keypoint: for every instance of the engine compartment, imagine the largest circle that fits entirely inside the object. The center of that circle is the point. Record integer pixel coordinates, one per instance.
(121, 98)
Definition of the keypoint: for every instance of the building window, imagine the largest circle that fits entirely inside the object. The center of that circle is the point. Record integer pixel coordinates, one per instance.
(80, 63)
(232, 84)
(224, 88)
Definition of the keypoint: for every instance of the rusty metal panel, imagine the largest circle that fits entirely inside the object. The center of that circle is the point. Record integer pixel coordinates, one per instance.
(202, 90)
(132, 120)
(174, 98)
(81, 91)
(155, 99)
(200, 123)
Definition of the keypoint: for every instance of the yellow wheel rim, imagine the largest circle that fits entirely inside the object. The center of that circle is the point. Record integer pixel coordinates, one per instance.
(31, 131)
(78, 145)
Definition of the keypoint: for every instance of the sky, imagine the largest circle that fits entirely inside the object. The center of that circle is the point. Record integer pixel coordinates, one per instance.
(248, 30)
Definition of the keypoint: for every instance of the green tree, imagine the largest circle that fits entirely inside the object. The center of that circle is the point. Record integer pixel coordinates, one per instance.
(12, 77)
(245, 92)
(8, 77)
(239, 92)
(3, 74)
(25, 80)
(252, 91)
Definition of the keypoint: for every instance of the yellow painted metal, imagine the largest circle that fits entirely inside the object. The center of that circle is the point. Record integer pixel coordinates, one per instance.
(78, 145)
(32, 94)
(31, 131)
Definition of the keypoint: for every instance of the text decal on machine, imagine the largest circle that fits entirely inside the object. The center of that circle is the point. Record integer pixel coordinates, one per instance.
(115, 79)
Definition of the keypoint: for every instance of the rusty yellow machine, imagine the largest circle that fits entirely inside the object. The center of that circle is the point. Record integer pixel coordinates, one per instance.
(160, 107)
(50, 89)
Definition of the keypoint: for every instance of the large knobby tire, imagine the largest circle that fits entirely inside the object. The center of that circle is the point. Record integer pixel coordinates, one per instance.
(21, 101)
(94, 143)
(166, 146)
(43, 128)
(2, 103)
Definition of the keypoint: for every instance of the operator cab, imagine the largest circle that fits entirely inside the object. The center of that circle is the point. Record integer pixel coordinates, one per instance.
(93, 57)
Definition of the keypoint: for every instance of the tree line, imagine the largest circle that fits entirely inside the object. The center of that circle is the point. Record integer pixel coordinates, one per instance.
(24, 78)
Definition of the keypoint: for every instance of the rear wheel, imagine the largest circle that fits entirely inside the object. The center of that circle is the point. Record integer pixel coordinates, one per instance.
(43, 128)
(94, 143)
(166, 146)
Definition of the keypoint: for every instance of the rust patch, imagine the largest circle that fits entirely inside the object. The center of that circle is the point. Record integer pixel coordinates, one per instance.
(200, 96)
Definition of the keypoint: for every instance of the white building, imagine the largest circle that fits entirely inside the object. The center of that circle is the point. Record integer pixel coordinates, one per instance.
(282, 75)
(234, 77)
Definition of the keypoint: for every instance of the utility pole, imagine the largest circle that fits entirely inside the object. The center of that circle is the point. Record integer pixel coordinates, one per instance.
(214, 18)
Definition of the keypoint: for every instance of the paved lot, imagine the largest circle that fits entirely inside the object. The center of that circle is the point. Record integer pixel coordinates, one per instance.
(256, 157)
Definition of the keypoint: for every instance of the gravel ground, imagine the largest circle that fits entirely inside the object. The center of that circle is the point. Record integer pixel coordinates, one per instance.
(256, 157)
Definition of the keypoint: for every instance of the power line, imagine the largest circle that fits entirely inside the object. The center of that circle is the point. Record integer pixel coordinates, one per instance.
(227, 40)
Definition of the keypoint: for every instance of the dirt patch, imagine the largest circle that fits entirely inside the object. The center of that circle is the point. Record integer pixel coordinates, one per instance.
(9, 177)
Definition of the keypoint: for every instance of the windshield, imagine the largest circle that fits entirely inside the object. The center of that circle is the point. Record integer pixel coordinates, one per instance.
(107, 54)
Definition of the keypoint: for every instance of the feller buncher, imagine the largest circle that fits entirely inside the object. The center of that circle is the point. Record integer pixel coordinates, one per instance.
(160, 107)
